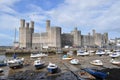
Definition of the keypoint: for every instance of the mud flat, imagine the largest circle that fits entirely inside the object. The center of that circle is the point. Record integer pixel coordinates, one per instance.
(28, 72)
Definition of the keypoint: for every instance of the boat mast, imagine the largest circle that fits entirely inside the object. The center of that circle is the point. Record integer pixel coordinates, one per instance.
(15, 36)
(40, 43)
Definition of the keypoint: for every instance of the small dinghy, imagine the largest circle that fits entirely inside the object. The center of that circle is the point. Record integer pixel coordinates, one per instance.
(66, 57)
(1, 70)
(114, 55)
(115, 62)
(74, 61)
(100, 52)
(85, 75)
(3, 63)
(39, 63)
(96, 62)
(97, 74)
(82, 53)
(52, 68)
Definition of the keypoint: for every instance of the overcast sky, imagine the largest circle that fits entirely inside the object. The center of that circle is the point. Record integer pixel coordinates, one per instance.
(101, 15)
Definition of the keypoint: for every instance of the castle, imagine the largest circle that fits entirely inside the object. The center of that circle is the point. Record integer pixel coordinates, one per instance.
(54, 38)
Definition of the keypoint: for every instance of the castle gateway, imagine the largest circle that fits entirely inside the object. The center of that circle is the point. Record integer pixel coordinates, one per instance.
(54, 38)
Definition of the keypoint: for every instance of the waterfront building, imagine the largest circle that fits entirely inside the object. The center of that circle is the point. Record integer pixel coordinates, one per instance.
(53, 37)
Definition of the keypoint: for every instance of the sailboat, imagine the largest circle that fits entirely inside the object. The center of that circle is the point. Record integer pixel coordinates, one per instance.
(39, 63)
(15, 62)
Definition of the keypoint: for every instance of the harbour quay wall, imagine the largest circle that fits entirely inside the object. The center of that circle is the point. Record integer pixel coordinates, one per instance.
(52, 50)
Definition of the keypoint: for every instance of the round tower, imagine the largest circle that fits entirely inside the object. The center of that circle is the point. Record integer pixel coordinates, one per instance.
(32, 26)
(47, 25)
(22, 33)
(22, 23)
(25, 34)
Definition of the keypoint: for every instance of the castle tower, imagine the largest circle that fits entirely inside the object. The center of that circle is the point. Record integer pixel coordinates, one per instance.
(32, 26)
(22, 23)
(22, 33)
(105, 38)
(25, 35)
(55, 36)
(47, 25)
(76, 37)
(93, 32)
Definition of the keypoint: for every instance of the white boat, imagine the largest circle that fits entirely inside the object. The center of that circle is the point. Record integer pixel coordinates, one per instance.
(82, 53)
(1, 70)
(96, 62)
(70, 53)
(114, 55)
(66, 57)
(16, 62)
(74, 61)
(115, 62)
(100, 53)
(3, 63)
(36, 55)
(108, 52)
(39, 63)
(117, 50)
(52, 68)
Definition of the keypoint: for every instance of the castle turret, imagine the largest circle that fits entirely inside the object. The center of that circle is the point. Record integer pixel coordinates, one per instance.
(94, 32)
(25, 35)
(27, 25)
(22, 23)
(55, 36)
(105, 38)
(76, 37)
(22, 33)
(47, 25)
(32, 26)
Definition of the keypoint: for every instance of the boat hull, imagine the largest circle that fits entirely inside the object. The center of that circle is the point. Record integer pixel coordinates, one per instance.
(3, 64)
(52, 70)
(15, 65)
(97, 74)
(39, 66)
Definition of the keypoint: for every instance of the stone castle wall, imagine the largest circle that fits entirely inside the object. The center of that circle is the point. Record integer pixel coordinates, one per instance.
(54, 38)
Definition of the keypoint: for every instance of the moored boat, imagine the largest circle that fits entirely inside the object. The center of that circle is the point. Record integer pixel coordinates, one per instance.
(15, 62)
(100, 52)
(3, 63)
(39, 64)
(36, 55)
(52, 68)
(114, 55)
(74, 61)
(97, 74)
(1, 70)
(66, 57)
(85, 75)
(116, 62)
(82, 53)
(96, 62)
